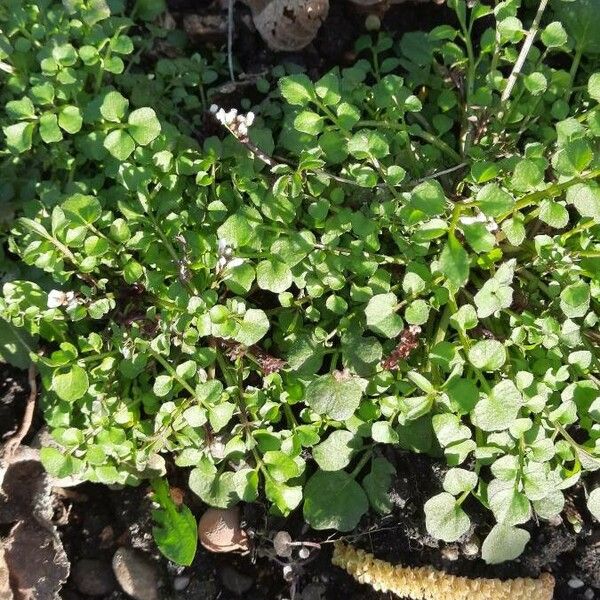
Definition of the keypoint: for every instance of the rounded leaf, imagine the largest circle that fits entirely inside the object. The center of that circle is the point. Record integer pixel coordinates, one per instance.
(70, 385)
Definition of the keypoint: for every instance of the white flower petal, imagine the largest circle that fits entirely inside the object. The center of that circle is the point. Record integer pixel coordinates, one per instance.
(56, 298)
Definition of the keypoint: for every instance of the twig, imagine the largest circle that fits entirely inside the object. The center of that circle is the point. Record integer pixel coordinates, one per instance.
(512, 79)
(230, 38)
(6, 67)
(14, 442)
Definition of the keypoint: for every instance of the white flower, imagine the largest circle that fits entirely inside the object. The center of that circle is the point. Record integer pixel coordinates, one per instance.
(220, 116)
(235, 262)
(70, 300)
(222, 246)
(230, 116)
(56, 298)
(242, 129)
(479, 218)
(213, 109)
(250, 119)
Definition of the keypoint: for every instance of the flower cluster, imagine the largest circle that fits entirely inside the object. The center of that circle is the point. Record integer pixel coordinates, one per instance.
(225, 257)
(57, 298)
(238, 124)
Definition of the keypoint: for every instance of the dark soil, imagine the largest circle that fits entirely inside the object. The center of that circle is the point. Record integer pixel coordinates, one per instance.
(100, 520)
(14, 391)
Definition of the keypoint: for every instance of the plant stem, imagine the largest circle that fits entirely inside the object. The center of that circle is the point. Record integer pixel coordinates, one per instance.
(512, 79)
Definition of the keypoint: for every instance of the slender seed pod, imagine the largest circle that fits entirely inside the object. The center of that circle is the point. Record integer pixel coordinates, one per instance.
(427, 583)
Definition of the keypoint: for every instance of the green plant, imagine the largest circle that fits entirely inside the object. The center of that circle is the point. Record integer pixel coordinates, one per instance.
(374, 259)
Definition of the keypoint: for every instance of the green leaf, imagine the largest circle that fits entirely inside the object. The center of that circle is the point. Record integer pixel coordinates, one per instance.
(297, 89)
(70, 385)
(496, 293)
(328, 88)
(57, 462)
(593, 503)
(19, 136)
(120, 144)
(586, 199)
(528, 175)
(163, 384)
(366, 144)
(273, 275)
(333, 500)
(377, 485)
(49, 130)
(14, 345)
(218, 490)
(487, 355)
(578, 17)
(381, 315)
(20, 109)
(280, 466)
(253, 327)
(494, 201)
(554, 35)
(536, 83)
(336, 451)
(82, 209)
(594, 86)
(575, 300)
(144, 126)
(417, 312)
(457, 481)
(175, 532)
(285, 497)
(554, 214)
(336, 395)
(69, 119)
(309, 122)
(509, 505)
(444, 518)
(383, 433)
(498, 410)
(454, 263)
(113, 107)
(504, 543)
(429, 198)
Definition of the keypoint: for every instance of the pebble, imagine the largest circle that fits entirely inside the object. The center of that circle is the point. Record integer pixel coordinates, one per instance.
(450, 553)
(234, 581)
(93, 577)
(136, 575)
(575, 583)
(589, 594)
(180, 583)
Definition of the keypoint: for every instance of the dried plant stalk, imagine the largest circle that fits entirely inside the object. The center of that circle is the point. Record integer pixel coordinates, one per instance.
(426, 583)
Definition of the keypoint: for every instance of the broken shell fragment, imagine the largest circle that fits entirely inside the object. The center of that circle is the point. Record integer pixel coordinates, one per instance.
(219, 530)
(288, 25)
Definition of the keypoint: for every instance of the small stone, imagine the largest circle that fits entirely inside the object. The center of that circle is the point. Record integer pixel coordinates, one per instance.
(575, 583)
(180, 583)
(450, 553)
(471, 548)
(219, 530)
(234, 581)
(589, 594)
(136, 575)
(93, 577)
